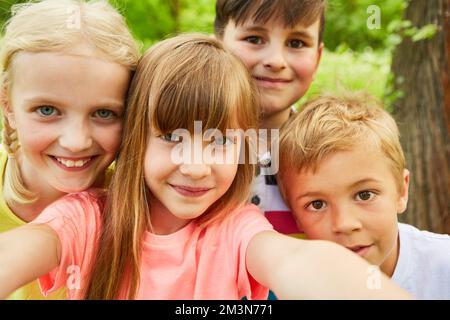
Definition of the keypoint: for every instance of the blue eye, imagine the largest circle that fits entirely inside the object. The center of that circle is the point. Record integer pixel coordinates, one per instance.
(171, 137)
(46, 111)
(104, 113)
(222, 141)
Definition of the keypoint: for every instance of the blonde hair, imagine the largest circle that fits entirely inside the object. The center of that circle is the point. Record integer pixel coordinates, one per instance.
(57, 25)
(331, 124)
(179, 80)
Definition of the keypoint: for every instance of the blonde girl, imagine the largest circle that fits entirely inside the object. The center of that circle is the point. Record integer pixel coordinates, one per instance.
(171, 229)
(65, 71)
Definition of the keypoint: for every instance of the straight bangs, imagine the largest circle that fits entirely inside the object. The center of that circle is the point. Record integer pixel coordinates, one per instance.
(202, 88)
(184, 100)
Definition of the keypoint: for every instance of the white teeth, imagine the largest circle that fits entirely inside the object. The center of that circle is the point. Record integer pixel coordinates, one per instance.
(72, 164)
(79, 163)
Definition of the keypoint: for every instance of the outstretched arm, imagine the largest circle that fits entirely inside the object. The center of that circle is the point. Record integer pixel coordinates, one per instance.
(26, 253)
(311, 269)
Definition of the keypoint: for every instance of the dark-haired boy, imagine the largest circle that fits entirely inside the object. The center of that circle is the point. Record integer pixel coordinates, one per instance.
(281, 44)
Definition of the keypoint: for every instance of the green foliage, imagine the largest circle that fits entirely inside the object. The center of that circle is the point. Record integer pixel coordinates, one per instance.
(150, 20)
(347, 23)
(358, 54)
(426, 32)
(5, 8)
(350, 70)
(197, 16)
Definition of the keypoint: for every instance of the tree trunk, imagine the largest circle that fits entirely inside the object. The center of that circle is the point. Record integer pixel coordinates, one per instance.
(423, 115)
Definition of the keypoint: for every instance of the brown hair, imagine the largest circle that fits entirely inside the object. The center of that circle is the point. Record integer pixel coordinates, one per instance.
(179, 80)
(331, 124)
(290, 12)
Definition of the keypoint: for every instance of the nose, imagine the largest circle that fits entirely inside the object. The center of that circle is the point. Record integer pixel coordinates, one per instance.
(195, 171)
(274, 58)
(76, 136)
(345, 220)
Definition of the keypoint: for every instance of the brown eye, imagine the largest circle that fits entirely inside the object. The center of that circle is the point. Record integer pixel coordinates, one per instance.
(316, 205)
(296, 44)
(365, 195)
(254, 39)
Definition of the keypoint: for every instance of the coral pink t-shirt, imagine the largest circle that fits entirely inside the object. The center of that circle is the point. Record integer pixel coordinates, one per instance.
(192, 263)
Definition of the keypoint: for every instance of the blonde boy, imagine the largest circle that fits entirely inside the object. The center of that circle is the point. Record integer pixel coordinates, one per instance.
(342, 172)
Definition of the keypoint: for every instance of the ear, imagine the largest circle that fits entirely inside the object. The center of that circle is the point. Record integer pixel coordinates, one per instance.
(403, 199)
(6, 106)
(319, 57)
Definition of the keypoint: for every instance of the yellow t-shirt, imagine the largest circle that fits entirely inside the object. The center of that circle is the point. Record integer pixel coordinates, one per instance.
(8, 221)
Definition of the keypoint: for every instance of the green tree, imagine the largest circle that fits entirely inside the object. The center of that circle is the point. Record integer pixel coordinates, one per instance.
(150, 20)
(347, 23)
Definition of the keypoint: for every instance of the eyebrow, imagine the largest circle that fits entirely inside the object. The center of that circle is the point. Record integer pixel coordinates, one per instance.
(43, 100)
(114, 104)
(310, 194)
(254, 28)
(303, 34)
(296, 33)
(363, 181)
(353, 185)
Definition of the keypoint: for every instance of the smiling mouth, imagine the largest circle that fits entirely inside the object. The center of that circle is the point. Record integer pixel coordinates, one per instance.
(74, 163)
(271, 80)
(360, 250)
(271, 83)
(190, 191)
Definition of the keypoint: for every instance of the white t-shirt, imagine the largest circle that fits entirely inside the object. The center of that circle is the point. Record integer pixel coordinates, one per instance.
(423, 267)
